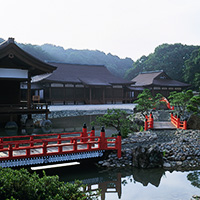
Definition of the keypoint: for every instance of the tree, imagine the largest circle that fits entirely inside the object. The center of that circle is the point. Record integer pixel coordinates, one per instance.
(145, 102)
(185, 101)
(192, 70)
(117, 119)
(168, 57)
(20, 184)
(194, 105)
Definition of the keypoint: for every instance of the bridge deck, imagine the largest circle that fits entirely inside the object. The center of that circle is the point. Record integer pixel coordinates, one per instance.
(163, 125)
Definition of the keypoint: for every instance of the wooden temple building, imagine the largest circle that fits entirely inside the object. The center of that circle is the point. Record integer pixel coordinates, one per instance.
(17, 66)
(81, 84)
(156, 82)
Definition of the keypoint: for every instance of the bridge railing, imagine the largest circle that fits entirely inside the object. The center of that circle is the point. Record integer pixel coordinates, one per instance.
(167, 103)
(148, 122)
(17, 147)
(177, 123)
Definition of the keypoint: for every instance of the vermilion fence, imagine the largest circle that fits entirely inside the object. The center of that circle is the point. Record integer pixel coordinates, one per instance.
(177, 123)
(148, 122)
(167, 103)
(29, 146)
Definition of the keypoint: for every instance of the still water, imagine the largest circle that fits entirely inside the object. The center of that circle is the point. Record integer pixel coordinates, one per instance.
(126, 184)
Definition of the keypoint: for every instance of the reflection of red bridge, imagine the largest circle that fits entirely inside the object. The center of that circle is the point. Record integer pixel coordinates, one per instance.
(106, 187)
(51, 148)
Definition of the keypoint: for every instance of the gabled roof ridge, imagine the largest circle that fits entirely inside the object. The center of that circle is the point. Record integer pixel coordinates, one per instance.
(89, 65)
(151, 72)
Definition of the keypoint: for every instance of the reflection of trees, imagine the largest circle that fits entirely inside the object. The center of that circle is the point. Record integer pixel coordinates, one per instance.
(194, 178)
(146, 176)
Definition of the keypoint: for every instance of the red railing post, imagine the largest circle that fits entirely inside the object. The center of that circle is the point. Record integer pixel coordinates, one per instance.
(150, 121)
(92, 134)
(10, 151)
(45, 143)
(31, 140)
(75, 145)
(59, 142)
(178, 122)
(184, 125)
(84, 133)
(1, 141)
(119, 146)
(146, 125)
(103, 143)
(59, 139)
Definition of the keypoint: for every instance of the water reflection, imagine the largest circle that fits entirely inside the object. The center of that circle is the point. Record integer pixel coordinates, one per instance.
(194, 178)
(60, 125)
(108, 181)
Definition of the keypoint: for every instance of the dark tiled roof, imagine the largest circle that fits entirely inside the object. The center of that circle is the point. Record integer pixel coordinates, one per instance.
(86, 74)
(14, 57)
(153, 78)
(144, 79)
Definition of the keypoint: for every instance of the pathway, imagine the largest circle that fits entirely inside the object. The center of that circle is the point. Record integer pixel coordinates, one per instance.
(163, 121)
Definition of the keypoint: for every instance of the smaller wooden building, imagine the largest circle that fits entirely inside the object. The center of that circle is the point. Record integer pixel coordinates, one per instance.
(81, 84)
(156, 82)
(17, 66)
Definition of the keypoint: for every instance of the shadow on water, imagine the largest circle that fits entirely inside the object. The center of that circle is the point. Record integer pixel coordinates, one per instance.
(108, 181)
(60, 125)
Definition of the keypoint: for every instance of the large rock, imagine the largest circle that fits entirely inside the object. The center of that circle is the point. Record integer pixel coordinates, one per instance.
(147, 157)
(193, 122)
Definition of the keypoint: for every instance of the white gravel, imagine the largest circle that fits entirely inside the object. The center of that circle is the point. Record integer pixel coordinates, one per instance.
(91, 107)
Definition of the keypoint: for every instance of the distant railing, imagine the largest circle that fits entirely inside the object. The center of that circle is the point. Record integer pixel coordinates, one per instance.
(148, 122)
(177, 123)
(28, 146)
(167, 103)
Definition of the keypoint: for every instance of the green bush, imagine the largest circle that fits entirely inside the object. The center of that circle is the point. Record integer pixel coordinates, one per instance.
(22, 185)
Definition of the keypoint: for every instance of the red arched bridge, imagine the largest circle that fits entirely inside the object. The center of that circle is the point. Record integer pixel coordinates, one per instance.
(59, 147)
(174, 122)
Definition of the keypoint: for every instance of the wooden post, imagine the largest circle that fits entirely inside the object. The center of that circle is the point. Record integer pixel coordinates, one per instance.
(119, 146)
(29, 91)
(31, 140)
(103, 144)
(146, 125)
(44, 147)
(84, 133)
(178, 122)
(1, 141)
(92, 134)
(10, 151)
(75, 145)
(185, 125)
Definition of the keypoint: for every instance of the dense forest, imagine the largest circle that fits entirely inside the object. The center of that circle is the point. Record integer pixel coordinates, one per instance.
(180, 62)
(52, 53)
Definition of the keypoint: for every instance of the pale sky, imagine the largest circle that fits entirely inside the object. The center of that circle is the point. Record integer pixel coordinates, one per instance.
(126, 28)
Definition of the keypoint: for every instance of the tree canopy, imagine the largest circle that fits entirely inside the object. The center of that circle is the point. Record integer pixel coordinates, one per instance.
(192, 70)
(168, 57)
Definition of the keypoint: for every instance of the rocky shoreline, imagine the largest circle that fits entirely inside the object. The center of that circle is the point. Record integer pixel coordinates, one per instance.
(169, 149)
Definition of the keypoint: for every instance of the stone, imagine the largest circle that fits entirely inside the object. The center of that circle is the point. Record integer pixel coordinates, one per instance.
(193, 122)
(166, 165)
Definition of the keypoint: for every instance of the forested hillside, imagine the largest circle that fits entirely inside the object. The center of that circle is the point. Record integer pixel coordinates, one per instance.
(172, 58)
(180, 62)
(52, 53)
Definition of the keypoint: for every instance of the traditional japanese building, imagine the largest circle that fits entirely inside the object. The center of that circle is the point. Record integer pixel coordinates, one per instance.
(81, 84)
(156, 82)
(17, 66)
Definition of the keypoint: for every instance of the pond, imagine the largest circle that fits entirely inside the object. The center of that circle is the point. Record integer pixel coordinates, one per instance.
(126, 184)
(132, 183)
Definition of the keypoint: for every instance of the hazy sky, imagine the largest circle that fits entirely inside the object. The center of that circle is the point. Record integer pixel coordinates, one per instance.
(126, 28)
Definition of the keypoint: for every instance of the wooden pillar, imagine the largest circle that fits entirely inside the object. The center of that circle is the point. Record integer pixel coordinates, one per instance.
(90, 95)
(104, 95)
(29, 91)
(50, 94)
